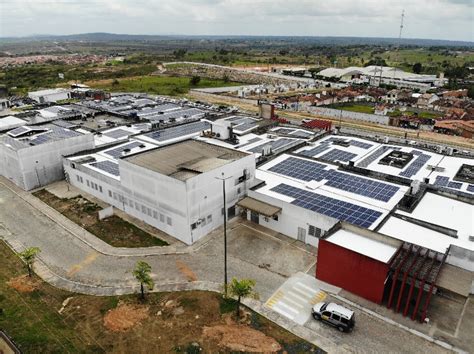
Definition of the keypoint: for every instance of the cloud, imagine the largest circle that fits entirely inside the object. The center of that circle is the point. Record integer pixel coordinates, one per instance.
(444, 19)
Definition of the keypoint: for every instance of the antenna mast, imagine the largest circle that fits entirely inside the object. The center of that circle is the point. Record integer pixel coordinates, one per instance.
(399, 39)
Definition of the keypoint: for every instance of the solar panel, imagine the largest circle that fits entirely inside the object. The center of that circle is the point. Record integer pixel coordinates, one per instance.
(315, 151)
(328, 206)
(415, 166)
(107, 166)
(251, 141)
(303, 170)
(470, 188)
(18, 131)
(338, 155)
(455, 185)
(309, 170)
(117, 133)
(375, 155)
(275, 145)
(441, 181)
(360, 144)
(117, 152)
(178, 131)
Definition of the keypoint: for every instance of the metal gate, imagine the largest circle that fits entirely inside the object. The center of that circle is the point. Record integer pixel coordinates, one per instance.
(301, 234)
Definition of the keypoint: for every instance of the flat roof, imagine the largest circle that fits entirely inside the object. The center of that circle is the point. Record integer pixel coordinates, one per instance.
(375, 249)
(259, 206)
(186, 159)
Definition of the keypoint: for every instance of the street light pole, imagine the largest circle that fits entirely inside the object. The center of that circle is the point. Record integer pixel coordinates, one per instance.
(223, 179)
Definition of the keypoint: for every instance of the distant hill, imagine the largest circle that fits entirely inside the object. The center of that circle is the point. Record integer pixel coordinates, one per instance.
(304, 40)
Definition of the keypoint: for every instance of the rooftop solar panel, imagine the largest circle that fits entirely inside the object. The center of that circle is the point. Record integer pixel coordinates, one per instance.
(415, 166)
(315, 151)
(360, 144)
(470, 188)
(328, 206)
(176, 132)
(107, 166)
(375, 155)
(117, 152)
(117, 133)
(275, 145)
(455, 185)
(338, 155)
(309, 170)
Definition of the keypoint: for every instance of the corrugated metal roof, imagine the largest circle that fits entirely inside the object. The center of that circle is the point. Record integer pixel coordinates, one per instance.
(259, 206)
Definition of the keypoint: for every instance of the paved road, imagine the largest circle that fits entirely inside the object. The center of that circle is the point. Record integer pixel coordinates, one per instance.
(72, 259)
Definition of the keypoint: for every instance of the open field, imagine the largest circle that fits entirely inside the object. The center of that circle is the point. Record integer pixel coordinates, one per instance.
(161, 85)
(360, 108)
(113, 230)
(43, 319)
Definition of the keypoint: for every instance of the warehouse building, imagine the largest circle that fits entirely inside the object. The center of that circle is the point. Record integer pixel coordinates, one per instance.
(50, 95)
(31, 156)
(175, 188)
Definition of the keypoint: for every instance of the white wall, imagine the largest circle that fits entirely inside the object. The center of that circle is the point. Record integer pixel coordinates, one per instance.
(39, 165)
(292, 217)
(52, 97)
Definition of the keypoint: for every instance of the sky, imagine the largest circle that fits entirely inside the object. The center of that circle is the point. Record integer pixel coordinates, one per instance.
(432, 19)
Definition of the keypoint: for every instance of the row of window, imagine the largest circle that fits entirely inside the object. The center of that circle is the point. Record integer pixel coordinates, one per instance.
(315, 232)
(90, 184)
(129, 202)
(203, 221)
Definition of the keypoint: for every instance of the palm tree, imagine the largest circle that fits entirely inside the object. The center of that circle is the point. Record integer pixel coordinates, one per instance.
(28, 256)
(142, 274)
(241, 289)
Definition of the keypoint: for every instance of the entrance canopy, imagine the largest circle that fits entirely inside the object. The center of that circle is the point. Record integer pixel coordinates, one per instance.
(259, 207)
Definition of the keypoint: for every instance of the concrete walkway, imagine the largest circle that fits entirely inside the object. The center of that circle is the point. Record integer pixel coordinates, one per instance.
(75, 260)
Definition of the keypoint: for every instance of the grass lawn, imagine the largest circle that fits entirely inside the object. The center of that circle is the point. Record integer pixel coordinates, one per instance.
(113, 230)
(159, 85)
(360, 108)
(166, 322)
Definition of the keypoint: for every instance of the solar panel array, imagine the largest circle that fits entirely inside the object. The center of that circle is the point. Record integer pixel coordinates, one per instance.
(181, 113)
(470, 188)
(328, 206)
(107, 166)
(117, 152)
(18, 131)
(303, 170)
(275, 144)
(338, 155)
(117, 133)
(441, 181)
(360, 144)
(415, 166)
(251, 141)
(243, 124)
(315, 151)
(375, 155)
(309, 170)
(54, 133)
(178, 131)
(455, 185)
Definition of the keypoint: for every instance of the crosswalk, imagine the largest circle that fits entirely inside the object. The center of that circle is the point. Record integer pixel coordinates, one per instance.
(295, 298)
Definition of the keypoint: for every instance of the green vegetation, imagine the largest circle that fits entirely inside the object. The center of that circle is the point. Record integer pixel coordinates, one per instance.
(32, 318)
(142, 274)
(160, 85)
(360, 108)
(29, 256)
(242, 289)
(113, 230)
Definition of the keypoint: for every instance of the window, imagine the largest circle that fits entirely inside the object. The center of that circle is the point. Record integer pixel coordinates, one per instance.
(100, 189)
(115, 196)
(203, 222)
(168, 221)
(238, 190)
(88, 185)
(148, 211)
(110, 194)
(209, 218)
(155, 214)
(336, 317)
(82, 181)
(131, 202)
(275, 217)
(162, 218)
(137, 206)
(193, 226)
(78, 179)
(125, 201)
(143, 209)
(314, 231)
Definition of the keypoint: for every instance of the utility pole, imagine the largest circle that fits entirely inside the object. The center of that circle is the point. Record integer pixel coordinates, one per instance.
(223, 179)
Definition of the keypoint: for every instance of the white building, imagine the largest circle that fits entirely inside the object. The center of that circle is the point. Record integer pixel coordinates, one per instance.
(50, 95)
(31, 156)
(176, 188)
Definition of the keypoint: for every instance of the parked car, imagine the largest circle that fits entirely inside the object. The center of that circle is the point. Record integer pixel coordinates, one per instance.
(335, 315)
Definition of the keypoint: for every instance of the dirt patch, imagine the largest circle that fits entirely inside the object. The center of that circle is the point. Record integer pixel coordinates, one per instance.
(186, 271)
(24, 284)
(124, 317)
(241, 338)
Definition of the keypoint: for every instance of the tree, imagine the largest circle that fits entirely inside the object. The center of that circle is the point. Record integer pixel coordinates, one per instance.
(241, 289)
(417, 67)
(195, 80)
(29, 256)
(142, 274)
